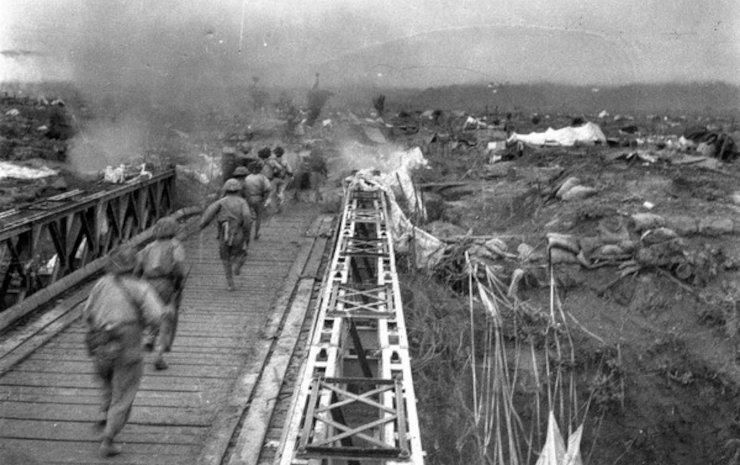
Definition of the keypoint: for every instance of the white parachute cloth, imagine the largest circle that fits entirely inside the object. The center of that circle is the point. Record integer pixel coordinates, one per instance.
(555, 452)
(587, 134)
(397, 178)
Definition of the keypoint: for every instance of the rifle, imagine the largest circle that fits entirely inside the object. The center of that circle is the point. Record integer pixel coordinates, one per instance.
(181, 287)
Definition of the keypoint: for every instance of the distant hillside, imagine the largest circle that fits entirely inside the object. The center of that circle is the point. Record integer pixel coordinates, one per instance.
(712, 99)
(716, 99)
(523, 53)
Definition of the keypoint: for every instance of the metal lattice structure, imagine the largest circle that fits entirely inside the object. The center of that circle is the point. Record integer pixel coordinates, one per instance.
(48, 240)
(355, 403)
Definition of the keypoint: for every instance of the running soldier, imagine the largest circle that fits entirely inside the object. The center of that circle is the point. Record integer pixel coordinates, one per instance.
(282, 175)
(257, 189)
(266, 168)
(312, 171)
(162, 264)
(234, 220)
(240, 173)
(117, 311)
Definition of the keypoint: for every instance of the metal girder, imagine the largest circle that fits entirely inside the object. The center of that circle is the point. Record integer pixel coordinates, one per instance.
(365, 435)
(365, 247)
(337, 418)
(48, 240)
(362, 301)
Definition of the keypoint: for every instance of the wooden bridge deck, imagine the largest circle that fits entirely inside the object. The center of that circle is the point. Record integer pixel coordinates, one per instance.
(183, 415)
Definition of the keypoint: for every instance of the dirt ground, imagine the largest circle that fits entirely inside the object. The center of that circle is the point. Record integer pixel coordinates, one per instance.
(675, 390)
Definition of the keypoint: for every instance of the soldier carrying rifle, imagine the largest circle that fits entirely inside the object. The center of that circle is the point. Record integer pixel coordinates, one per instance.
(162, 264)
(234, 219)
(118, 309)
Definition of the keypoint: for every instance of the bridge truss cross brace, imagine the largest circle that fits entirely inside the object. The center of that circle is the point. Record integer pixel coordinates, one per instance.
(51, 239)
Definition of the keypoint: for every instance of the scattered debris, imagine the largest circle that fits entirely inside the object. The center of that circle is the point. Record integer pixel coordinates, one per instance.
(712, 143)
(643, 221)
(572, 189)
(123, 173)
(641, 155)
(578, 192)
(444, 229)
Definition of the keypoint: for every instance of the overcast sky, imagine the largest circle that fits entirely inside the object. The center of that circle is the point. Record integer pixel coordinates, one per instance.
(378, 42)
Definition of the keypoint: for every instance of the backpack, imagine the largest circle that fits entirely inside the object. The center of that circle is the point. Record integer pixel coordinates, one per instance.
(97, 340)
(229, 231)
(160, 260)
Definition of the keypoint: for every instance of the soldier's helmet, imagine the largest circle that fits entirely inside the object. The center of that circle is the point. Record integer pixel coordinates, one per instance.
(244, 147)
(241, 171)
(232, 185)
(165, 228)
(121, 261)
(278, 151)
(264, 153)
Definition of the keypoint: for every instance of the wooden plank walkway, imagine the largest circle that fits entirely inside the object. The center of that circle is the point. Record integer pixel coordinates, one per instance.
(49, 400)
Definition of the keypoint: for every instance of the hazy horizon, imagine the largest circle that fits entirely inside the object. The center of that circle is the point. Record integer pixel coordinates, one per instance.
(472, 82)
(185, 44)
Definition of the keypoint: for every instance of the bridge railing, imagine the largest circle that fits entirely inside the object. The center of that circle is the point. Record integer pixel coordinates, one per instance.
(47, 242)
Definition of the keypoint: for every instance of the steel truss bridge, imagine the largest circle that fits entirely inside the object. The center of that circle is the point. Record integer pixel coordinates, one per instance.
(356, 401)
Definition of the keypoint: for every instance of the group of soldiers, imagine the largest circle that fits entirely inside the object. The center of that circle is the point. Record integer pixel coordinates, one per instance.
(135, 306)
(246, 196)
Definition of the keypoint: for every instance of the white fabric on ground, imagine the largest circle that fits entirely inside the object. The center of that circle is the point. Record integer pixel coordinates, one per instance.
(475, 123)
(428, 249)
(115, 175)
(589, 133)
(11, 170)
(555, 452)
(397, 175)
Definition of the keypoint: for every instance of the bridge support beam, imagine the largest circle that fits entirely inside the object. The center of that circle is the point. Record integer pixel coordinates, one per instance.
(339, 418)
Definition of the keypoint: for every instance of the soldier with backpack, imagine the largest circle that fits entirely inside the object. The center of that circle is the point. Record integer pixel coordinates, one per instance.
(282, 174)
(116, 312)
(268, 169)
(257, 192)
(265, 167)
(234, 220)
(240, 173)
(162, 264)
